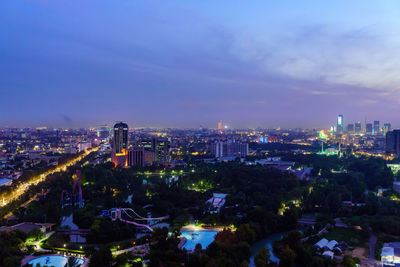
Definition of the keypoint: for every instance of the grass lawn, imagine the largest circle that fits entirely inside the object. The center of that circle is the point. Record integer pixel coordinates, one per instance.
(353, 237)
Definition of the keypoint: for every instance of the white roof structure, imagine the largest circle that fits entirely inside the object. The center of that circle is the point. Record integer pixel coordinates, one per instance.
(331, 244)
(217, 201)
(322, 243)
(387, 251)
(328, 254)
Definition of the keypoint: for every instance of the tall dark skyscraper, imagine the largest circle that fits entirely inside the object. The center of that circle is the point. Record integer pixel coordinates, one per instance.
(357, 127)
(120, 137)
(376, 127)
(393, 142)
(368, 128)
(339, 127)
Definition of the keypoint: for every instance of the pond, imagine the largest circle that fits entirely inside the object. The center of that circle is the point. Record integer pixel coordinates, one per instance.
(53, 260)
(204, 238)
(266, 243)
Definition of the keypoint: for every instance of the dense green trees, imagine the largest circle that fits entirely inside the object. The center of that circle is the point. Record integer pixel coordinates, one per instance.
(11, 244)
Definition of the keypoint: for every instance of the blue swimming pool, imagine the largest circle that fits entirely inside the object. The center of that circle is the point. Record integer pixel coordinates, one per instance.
(204, 238)
(53, 260)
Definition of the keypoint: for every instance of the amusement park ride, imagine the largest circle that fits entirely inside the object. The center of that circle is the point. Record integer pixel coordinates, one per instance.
(115, 214)
(76, 198)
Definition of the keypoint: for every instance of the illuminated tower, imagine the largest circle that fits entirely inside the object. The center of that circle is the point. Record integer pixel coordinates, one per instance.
(120, 137)
(339, 128)
(220, 126)
(120, 145)
(387, 127)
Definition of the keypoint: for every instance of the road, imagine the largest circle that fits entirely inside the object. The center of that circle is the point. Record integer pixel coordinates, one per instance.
(21, 189)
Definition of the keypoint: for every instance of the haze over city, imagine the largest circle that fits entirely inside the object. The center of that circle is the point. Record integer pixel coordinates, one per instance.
(192, 63)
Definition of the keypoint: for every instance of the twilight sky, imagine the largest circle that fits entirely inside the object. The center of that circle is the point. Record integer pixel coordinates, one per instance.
(189, 63)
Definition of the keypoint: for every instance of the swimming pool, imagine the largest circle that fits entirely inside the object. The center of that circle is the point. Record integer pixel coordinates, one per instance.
(204, 238)
(53, 260)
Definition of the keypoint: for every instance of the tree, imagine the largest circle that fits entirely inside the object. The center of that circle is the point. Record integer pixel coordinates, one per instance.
(101, 257)
(348, 261)
(287, 257)
(245, 233)
(262, 258)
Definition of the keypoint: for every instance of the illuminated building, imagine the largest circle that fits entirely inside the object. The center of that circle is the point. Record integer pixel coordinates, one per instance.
(339, 127)
(148, 144)
(273, 139)
(120, 145)
(368, 128)
(387, 127)
(230, 148)
(120, 137)
(136, 157)
(157, 149)
(357, 127)
(263, 139)
(220, 127)
(393, 142)
(161, 150)
(376, 127)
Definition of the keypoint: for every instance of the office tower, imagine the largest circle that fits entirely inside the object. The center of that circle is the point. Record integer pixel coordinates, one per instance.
(120, 137)
(387, 127)
(350, 128)
(161, 150)
(368, 128)
(393, 142)
(357, 127)
(148, 144)
(120, 145)
(230, 148)
(339, 128)
(376, 127)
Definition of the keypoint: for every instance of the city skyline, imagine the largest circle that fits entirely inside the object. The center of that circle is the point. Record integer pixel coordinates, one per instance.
(181, 64)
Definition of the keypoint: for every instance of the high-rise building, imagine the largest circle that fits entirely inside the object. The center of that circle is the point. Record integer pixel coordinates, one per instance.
(120, 145)
(230, 148)
(148, 144)
(339, 127)
(376, 127)
(387, 127)
(350, 128)
(357, 127)
(120, 137)
(393, 142)
(161, 150)
(368, 128)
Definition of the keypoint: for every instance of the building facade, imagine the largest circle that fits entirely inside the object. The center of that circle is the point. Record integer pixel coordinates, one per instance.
(393, 142)
(229, 148)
